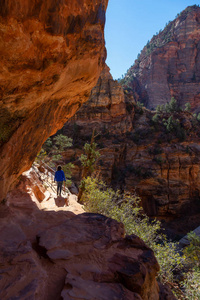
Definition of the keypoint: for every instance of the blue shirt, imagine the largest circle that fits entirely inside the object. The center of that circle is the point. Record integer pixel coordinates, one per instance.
(59, 176)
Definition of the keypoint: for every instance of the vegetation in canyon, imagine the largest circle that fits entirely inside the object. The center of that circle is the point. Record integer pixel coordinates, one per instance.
(174, 264)
(88, 160)
(178, 269)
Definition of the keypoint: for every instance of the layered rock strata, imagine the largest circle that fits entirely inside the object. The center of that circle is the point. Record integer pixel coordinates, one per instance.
(169, 64)
(106, 109)
(51, 56)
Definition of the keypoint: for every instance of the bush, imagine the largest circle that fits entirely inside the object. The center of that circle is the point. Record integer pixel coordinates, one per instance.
(155, 118)
(51, 151)
(198, 117)
(191, 284)
(187, 106)
(192, 251)
(68, 173)
(170, 107)
(173, 126)
(125, 208)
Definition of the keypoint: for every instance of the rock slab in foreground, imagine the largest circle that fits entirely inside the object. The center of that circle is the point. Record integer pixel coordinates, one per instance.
(53, 254)
(100, 263)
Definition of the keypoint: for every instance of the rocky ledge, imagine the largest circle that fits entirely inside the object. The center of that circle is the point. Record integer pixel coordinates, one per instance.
(53, 255)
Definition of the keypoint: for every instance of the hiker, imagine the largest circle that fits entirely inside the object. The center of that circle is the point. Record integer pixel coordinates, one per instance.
(59, 177)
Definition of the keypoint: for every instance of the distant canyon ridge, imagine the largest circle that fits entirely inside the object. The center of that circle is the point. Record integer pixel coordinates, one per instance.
(169, 65)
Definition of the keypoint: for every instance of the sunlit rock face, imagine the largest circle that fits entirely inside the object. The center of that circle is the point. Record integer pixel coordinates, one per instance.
(51, 56)
(169, 66)
(106, 109)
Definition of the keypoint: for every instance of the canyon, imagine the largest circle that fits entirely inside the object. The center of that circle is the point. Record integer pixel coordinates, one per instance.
(52, 53)
(138, 155)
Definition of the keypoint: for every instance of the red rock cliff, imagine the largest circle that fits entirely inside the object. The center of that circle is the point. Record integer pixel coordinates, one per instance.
(52, 53)
(106, 108)
(169, 65)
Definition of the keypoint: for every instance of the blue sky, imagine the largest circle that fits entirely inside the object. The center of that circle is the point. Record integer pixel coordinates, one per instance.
(131, 23)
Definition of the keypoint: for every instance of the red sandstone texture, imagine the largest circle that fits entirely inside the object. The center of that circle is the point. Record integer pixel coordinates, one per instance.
(106, 108)
(51, 55)
(54, 254)
(170, 65)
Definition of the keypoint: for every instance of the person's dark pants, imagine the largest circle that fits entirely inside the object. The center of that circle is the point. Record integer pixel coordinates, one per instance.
(59, 187)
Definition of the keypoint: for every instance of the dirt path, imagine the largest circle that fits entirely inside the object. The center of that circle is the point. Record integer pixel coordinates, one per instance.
(67, 203)
(42, 189)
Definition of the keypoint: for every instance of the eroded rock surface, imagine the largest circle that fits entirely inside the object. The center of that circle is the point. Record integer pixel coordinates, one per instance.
(52, 54)
(106, 109)
(48, 254)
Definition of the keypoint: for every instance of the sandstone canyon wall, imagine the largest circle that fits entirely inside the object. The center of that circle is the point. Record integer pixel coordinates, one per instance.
(52, 53)
(169, 65)
(138, 155)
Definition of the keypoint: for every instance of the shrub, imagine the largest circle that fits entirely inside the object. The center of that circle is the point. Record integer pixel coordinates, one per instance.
(139, 108)
(192, 251)
(52, 149)
(187, 106)
(158, 108)
(155, 118)
(125, 208)
(173, 126)
(88, 161)
(89, 158)
(41, 156)
(68, 173)
(62, 142)
(172, 106)
(198, 117)
(191, 284)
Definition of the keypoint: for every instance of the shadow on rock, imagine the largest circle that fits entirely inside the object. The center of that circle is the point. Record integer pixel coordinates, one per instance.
(61, 201)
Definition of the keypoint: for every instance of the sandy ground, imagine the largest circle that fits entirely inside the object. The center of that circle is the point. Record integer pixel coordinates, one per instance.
(65, 202)
(42, 191)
